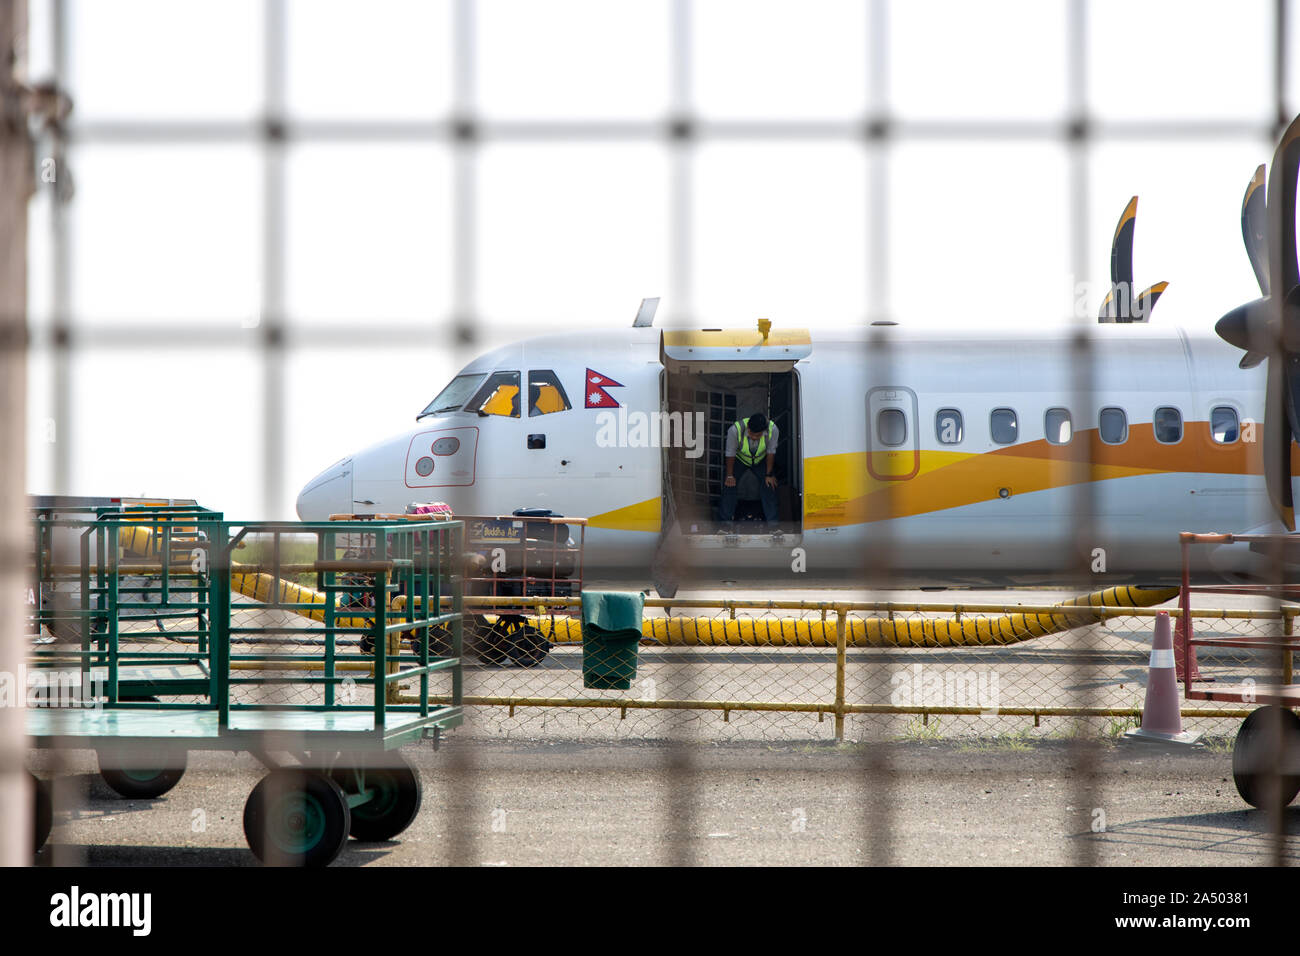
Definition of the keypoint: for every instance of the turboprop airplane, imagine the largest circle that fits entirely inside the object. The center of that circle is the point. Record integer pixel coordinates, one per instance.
(963, 457)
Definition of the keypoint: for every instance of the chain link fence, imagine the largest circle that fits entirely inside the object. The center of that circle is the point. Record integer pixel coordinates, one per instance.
(776, 674)
(737, 671)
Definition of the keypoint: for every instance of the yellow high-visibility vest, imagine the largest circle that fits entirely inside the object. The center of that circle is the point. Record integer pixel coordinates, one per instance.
(743, 453)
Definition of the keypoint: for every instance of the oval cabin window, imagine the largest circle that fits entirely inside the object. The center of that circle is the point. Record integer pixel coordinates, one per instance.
(948, 426)
(1057, 426)
(1112, 425)
(1223, 424)
(1167, 423)
(1003, 425)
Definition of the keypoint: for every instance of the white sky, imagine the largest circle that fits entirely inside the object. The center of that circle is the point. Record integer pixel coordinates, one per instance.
(573, 234)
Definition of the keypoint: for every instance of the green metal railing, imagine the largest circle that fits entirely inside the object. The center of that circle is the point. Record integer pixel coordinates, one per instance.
(104, 601)
(372, 579)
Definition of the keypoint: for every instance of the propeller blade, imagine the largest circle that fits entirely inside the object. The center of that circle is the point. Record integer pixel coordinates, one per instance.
(1147, 301)
(1284, 270)
(1292, 394)
(1251, 359)
(1269, 328)
(1277, 443)
(1254, 224)
(1118, 304)
(1121, 246)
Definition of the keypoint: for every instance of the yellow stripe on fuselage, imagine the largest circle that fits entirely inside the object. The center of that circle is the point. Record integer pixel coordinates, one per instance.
(642, 516)
(838, 489)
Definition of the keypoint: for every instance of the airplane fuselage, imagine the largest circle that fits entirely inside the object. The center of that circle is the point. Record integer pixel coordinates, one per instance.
(943, 457)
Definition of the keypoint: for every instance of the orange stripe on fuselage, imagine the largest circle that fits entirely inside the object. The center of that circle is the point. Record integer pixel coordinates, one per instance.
(1197, 452)
(948, 480)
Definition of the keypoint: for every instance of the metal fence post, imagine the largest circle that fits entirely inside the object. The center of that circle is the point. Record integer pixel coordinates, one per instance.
(16, 183)
(1288, 656)
(841, 647)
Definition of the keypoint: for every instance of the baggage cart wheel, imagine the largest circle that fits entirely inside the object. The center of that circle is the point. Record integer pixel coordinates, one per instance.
(524, 643)
(397, 799)
(1255, 747)
(296, 817)
(43, 813)
(129, 777)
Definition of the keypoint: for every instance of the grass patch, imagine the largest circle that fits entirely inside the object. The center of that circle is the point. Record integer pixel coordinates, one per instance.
(1074, 728)
(1118, 726)
(1018, 740)
(920, 731)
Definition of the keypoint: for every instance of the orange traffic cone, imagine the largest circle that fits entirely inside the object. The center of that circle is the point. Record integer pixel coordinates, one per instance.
(1162, 720)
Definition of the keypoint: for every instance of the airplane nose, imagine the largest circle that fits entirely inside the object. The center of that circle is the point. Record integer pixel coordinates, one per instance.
(329, 493)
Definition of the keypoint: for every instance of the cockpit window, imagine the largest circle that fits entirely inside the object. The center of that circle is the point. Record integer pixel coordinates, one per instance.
(545, 394)
(452, 397)
(498, 396)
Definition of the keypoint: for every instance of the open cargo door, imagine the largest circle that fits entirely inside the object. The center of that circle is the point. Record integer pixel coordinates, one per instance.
(713, 378)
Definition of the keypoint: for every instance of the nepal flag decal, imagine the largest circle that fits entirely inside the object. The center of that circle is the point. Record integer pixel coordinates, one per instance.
(595, 386)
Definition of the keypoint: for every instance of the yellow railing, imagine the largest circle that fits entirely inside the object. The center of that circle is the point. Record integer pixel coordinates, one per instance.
(833, 628)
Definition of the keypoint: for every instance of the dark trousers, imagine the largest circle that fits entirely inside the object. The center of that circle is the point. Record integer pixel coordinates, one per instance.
(727, 505)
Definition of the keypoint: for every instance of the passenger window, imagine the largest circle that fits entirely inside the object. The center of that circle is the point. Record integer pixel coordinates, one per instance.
(1113, 426)
(545, 394)
(498, 396)
(1223, 424)
(891, 427)
(1058, 426)
(1167, 423)
(1003, 426)
(948, 426)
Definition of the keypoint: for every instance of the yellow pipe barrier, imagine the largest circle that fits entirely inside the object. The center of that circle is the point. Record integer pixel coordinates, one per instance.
(1011, 628)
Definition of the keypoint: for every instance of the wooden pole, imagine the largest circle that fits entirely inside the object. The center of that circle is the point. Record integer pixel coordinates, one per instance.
(16, 184)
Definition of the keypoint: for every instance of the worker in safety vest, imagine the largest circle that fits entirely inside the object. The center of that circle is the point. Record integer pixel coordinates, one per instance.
(751, 447)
